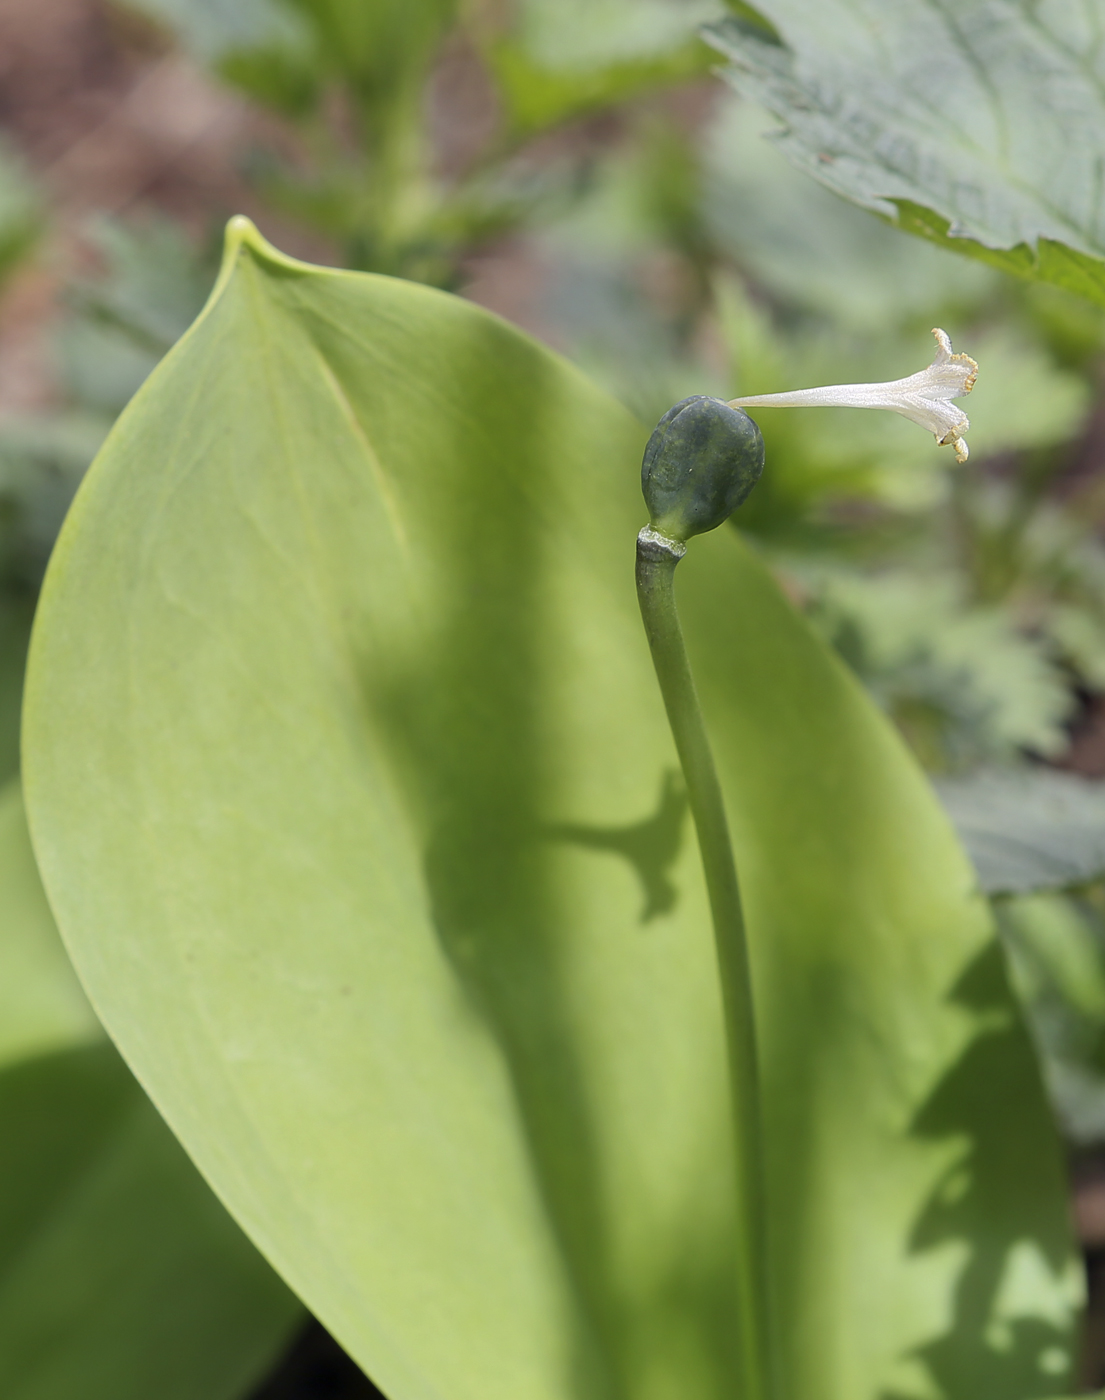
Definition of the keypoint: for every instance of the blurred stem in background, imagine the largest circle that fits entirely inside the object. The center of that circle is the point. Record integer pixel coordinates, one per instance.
(351, 79)
(355, 82)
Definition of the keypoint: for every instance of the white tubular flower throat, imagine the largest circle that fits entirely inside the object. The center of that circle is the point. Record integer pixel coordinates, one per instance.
(924, 397)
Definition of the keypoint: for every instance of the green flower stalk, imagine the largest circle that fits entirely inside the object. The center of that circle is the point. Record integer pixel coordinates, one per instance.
(702, 460)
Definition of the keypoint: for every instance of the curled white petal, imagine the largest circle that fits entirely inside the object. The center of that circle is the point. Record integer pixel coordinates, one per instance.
(924, 397)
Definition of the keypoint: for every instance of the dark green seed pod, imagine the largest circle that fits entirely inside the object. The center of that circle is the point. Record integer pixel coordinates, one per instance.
(701, 462)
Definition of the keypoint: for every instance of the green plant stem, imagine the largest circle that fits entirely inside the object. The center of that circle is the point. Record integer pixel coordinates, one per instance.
(656, 561)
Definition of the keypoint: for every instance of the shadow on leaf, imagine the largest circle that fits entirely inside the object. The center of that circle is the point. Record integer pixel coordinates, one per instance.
(475, 733)
(650, 846)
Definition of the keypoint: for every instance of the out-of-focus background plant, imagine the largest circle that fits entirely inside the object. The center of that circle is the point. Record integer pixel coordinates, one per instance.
(582, 169)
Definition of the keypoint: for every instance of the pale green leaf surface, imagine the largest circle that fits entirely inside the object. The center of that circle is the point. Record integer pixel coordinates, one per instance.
(121, 1276)
(826, 811)
(980, 125)
(369, 851)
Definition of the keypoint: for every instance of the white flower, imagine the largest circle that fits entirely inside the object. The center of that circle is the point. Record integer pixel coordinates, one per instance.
(925, 397)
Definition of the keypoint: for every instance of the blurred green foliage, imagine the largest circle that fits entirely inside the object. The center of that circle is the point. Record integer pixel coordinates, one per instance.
(115, 326)
(20, 212)
(679, 253)
(1057, 947)
(353, 82)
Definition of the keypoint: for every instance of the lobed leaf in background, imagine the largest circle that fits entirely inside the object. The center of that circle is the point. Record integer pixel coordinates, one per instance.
(121, 1276)
(961, 683)
(1057, 953)
(1030, 829)
(981, 128)
(1036, 838)
(369, 849)
(1069, 956)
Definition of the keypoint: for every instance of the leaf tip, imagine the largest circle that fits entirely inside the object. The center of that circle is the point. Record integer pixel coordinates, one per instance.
(243, 233)
(240, 230)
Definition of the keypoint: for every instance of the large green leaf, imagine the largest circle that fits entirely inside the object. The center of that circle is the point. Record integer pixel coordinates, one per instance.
(980, 124)
(121, 1276)
(354, 795)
